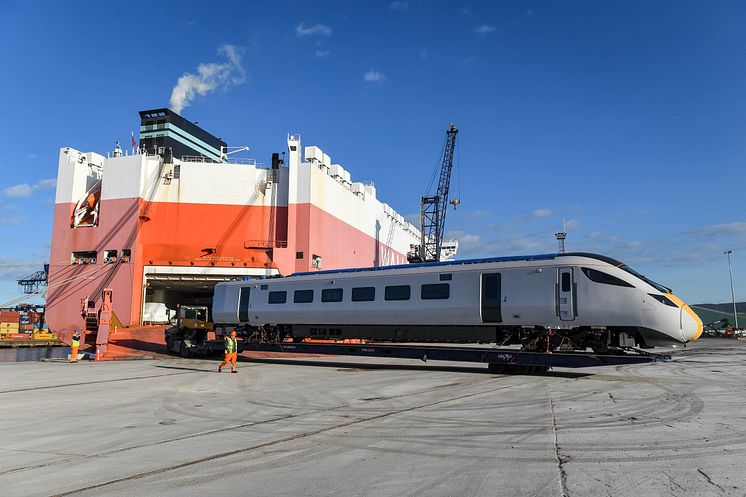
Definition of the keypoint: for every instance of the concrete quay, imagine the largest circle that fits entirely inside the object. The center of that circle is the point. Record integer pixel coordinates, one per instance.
(331, 426)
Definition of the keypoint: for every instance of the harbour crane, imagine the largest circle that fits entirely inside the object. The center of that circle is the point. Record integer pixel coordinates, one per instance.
(433, 208)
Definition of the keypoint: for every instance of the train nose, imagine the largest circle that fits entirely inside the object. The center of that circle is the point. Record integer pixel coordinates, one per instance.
(691, 325)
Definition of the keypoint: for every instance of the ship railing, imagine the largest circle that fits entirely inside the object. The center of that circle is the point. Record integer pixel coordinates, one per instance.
(206, 160)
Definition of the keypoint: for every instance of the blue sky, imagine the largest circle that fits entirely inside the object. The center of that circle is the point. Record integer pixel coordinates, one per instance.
(626, 119)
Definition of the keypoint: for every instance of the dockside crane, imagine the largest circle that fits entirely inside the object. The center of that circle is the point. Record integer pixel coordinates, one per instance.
(433, 208)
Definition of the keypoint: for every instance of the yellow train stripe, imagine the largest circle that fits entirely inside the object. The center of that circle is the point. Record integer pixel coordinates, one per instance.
(689, 311)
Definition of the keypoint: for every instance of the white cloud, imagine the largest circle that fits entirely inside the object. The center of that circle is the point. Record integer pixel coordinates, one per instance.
(322, 53)
(18, 191)
(209, 77)
(374, 76)
(398, 5)
(572, 224)
(465, 11)
(31, 156)
(484, 29)
(301, 30)
(737, 228)
(25, 190)
(536, 214)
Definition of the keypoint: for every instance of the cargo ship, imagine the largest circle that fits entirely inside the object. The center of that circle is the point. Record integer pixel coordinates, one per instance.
(160, 222)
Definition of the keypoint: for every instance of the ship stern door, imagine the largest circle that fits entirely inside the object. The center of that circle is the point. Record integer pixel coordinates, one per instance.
(565, 294)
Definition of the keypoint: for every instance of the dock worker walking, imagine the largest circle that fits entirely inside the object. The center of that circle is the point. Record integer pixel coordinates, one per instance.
(75, 345)
(231, 353)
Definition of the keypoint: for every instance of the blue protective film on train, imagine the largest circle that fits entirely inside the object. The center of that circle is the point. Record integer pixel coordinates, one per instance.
(540, 257)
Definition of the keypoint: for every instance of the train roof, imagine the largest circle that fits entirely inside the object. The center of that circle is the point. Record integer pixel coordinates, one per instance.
(537, 257)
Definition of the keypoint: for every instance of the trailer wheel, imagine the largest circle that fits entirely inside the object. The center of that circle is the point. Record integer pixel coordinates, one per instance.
(496, 368)
(184, 351)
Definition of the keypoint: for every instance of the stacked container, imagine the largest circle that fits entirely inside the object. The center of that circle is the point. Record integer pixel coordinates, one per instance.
(10, 325)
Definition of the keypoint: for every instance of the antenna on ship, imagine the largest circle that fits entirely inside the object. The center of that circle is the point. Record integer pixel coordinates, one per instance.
(561, 236)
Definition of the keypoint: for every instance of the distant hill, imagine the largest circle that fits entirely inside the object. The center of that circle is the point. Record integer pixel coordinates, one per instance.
(728, 307)
(710, 313)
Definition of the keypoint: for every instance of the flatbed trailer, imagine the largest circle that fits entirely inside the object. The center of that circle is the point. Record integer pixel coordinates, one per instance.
(498, 359)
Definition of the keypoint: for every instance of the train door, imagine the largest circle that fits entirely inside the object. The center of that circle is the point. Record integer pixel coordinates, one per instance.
(491, 298)
(565, 294)
(243, 304)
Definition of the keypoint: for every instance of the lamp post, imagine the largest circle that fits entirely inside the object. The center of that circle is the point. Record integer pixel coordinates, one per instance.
(732, 292)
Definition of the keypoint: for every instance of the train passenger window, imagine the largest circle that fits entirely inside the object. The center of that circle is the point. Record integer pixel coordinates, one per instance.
(566, 283)
(446, 277)
(303, 296)
(397, 292)
(243, 304)
(278, 297)
(601, 277)
(435, 291)
(331, 295)
(364, 294)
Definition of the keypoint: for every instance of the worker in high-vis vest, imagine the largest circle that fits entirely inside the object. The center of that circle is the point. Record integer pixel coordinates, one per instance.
(74, 346)
(231, 353)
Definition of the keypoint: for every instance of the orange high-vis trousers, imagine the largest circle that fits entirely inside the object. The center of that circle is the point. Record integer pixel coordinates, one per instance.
(74, 354)
(229, 357)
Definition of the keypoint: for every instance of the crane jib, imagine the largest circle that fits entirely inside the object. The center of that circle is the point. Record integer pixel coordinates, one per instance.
(433, 209)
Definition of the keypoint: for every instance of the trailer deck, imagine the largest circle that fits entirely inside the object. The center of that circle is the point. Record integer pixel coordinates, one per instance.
(498, 359)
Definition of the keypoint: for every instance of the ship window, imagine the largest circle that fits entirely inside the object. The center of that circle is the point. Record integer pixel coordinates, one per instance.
(397, 292)
(299, 255)
(126, 254)
(601, 277)
(446, 277)
(278, 297)
(364, 294)
(435, 291)
(263, 287)
(663, 300)
(110, 256)
(303, 296)
(331, 295)
(84, 257)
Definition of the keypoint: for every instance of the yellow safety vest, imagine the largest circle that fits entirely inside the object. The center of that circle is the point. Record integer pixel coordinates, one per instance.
(76, 343)
(230, 345)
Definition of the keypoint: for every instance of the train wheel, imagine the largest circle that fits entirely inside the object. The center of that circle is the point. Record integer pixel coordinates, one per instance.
(184, 351)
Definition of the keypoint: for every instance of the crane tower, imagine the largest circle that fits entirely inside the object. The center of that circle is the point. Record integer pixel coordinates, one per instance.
(433, 209)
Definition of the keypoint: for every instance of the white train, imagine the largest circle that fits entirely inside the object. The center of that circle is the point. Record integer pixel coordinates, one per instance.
(568, 301)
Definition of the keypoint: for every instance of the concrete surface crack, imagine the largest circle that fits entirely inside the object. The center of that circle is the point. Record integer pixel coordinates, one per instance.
(673, 482)
(561, 460)
(709, 480)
